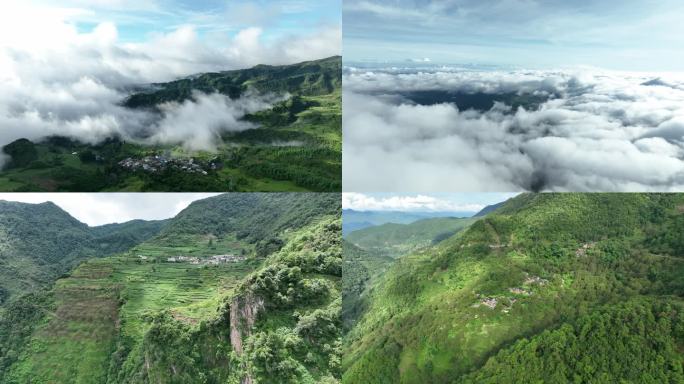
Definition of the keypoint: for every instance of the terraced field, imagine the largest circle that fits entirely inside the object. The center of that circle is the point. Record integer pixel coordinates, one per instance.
(106, 300)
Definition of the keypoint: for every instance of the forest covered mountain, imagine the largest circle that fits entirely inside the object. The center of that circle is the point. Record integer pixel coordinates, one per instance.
(396, 240)
(294, 145)
(552, 288)
(370, 252)
(39, 242)
(220, 294)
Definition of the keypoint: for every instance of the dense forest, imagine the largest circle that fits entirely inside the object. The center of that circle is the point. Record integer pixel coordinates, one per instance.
(547, 288)
(296, 144)
(166, 310)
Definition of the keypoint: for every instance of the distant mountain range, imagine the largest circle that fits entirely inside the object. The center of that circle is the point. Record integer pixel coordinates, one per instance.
(309, 78)
(39, 242)
(353, 220)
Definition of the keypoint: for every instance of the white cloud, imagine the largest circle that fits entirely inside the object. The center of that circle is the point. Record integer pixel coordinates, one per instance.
(105, 208)
(58, 80)
(198, 123)
(419, 203)
(592, 131)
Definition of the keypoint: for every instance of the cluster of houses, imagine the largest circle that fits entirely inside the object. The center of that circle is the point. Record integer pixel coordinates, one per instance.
(213, 260)
(158, 163)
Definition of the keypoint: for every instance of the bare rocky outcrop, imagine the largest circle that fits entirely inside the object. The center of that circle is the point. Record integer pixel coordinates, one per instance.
(243, 314)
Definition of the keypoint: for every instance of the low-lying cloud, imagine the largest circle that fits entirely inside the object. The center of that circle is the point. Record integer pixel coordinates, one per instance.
(58, 80)
(199, 123)
(594, 131)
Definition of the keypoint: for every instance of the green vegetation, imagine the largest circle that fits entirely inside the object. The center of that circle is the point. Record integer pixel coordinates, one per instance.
(549, 288)
(168, 310)
(395, 240)
(356, 220)
(297, 147)
(361, 271)
(370, 251)
(40, 242)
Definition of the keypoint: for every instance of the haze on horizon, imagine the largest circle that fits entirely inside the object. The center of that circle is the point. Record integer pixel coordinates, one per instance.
(637, 35)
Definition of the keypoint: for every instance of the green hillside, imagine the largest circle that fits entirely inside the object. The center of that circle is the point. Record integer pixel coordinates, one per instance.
(371, 251)
(311, 78)
(39, 242)
(360, 272)
(550, 288)
(395, 240)
(296, 147)
(166, 311)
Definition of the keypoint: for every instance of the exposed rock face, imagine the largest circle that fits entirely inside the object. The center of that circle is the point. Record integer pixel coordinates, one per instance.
(243, 313)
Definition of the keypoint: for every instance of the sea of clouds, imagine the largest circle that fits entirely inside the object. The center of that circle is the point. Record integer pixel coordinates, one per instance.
(59, 80)
(596, 131)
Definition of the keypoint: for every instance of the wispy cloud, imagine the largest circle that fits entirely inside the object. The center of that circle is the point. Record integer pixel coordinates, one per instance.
(527, 33)
(406, 203)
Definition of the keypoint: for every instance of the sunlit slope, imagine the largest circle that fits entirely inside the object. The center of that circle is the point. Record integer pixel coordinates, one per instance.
(539, 273)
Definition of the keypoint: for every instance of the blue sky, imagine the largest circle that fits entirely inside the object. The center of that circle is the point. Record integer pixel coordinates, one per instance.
(639, 35)
(422, 202)
(136, 20)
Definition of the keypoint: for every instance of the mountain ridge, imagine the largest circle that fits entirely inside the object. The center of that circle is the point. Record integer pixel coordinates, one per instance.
(531, 274)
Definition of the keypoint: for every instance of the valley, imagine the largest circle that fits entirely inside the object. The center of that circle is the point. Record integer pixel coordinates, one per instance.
(247, 291)
(544, 288)
(295, 145)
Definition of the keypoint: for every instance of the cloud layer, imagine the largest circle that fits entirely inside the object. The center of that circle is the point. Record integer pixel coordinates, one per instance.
(637, 35)
(596, 131)
(406, 203)
(57, 79)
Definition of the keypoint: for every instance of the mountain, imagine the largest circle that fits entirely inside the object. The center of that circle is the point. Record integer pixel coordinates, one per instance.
(310, 78)
(353, 220)
(296, 144)
(360, 271)
(489, 209)
(548, 288)
(236, 288)
(38, 242)
(395, 240)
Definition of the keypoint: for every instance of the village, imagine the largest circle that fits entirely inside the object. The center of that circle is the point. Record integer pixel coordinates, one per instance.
(212, 260)
(159, 163)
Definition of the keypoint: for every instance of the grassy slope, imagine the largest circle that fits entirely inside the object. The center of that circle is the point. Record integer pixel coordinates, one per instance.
(427, 321)
(254, 160)
(111, 299)
(38, 242)
(370, 251)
